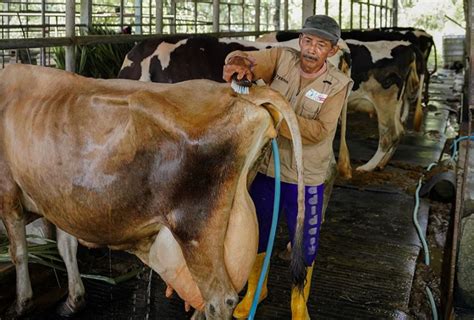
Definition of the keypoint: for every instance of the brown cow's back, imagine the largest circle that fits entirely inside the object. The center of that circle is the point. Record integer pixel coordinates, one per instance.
(67, 138)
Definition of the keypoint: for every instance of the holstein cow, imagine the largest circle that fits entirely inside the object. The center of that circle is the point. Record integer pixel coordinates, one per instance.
(383, 74)
(423, 41)
(419, 38)
(386, 82)
(175, 59)
(157, 170)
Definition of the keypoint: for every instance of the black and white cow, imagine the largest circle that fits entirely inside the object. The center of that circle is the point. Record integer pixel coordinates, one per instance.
(171, 60)
(419, 38)
(180, 58)
(385, 76)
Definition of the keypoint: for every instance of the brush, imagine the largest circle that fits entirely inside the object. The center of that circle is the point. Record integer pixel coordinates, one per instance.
(241, 86)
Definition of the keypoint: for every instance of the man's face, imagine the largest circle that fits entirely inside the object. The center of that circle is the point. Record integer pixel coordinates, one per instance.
(314, 51)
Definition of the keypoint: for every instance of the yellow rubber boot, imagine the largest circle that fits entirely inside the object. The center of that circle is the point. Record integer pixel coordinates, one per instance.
(243, 308)
(299, 311)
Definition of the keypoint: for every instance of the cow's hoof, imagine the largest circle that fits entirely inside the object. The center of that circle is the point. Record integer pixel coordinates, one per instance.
(19, 309)
(70, 308)
(198, 315)
(364, 168)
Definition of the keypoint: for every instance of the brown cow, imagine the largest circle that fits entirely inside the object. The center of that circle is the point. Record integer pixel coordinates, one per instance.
(158, 170)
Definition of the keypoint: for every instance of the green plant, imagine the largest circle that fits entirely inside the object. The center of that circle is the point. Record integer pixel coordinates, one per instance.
(99, 60)
(46, 253)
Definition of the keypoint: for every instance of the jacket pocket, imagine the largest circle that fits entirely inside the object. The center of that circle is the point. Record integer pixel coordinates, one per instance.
(309, 109)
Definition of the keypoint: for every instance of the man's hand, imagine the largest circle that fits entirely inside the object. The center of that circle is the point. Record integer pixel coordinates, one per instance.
(239, 65)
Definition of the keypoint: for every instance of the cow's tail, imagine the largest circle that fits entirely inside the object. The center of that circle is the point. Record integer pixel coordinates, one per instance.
(418, 118)
(273, 100)
(415, 81)
(344, 161)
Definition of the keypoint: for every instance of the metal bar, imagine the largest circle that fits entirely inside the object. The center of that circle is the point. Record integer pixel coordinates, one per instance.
(285, 14)
(97, 39)
(27, 21)
(86, 15)
(138, 16)
(173, 16)
(395, 13)
(368, 14)
(340, 13)
(159, 16)
(195, 16)
(43, 32)
(375, 16)
(121, 14)
(257, 14)
(352, 14)
(70, 21)
(380, 13)
(308, 9)
(228, 16)
(276, 17)
(326, 7)
(243, 15)
(150, 16)
(360, 15)
(215, 16)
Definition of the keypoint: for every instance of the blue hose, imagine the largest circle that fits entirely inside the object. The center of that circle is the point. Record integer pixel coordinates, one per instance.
(271, 237)
(454, 146)
(434, 311)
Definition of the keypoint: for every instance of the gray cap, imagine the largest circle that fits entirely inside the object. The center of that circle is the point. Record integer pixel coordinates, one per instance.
(322, 26)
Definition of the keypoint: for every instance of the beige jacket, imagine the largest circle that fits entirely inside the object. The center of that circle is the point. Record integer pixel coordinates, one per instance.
(317, 105)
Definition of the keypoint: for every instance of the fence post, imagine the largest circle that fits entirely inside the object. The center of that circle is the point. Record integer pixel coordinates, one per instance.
(70, 26)
(308, 9)
(257, 15)
(138, 16)
(86, 15)
(395, 14)
(215, 15)
(159, 16)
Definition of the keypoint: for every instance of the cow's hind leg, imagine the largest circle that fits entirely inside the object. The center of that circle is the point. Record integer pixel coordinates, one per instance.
(67, 246)
(14, 220)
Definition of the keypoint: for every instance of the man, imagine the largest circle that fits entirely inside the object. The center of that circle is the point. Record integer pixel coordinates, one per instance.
(317, 91)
